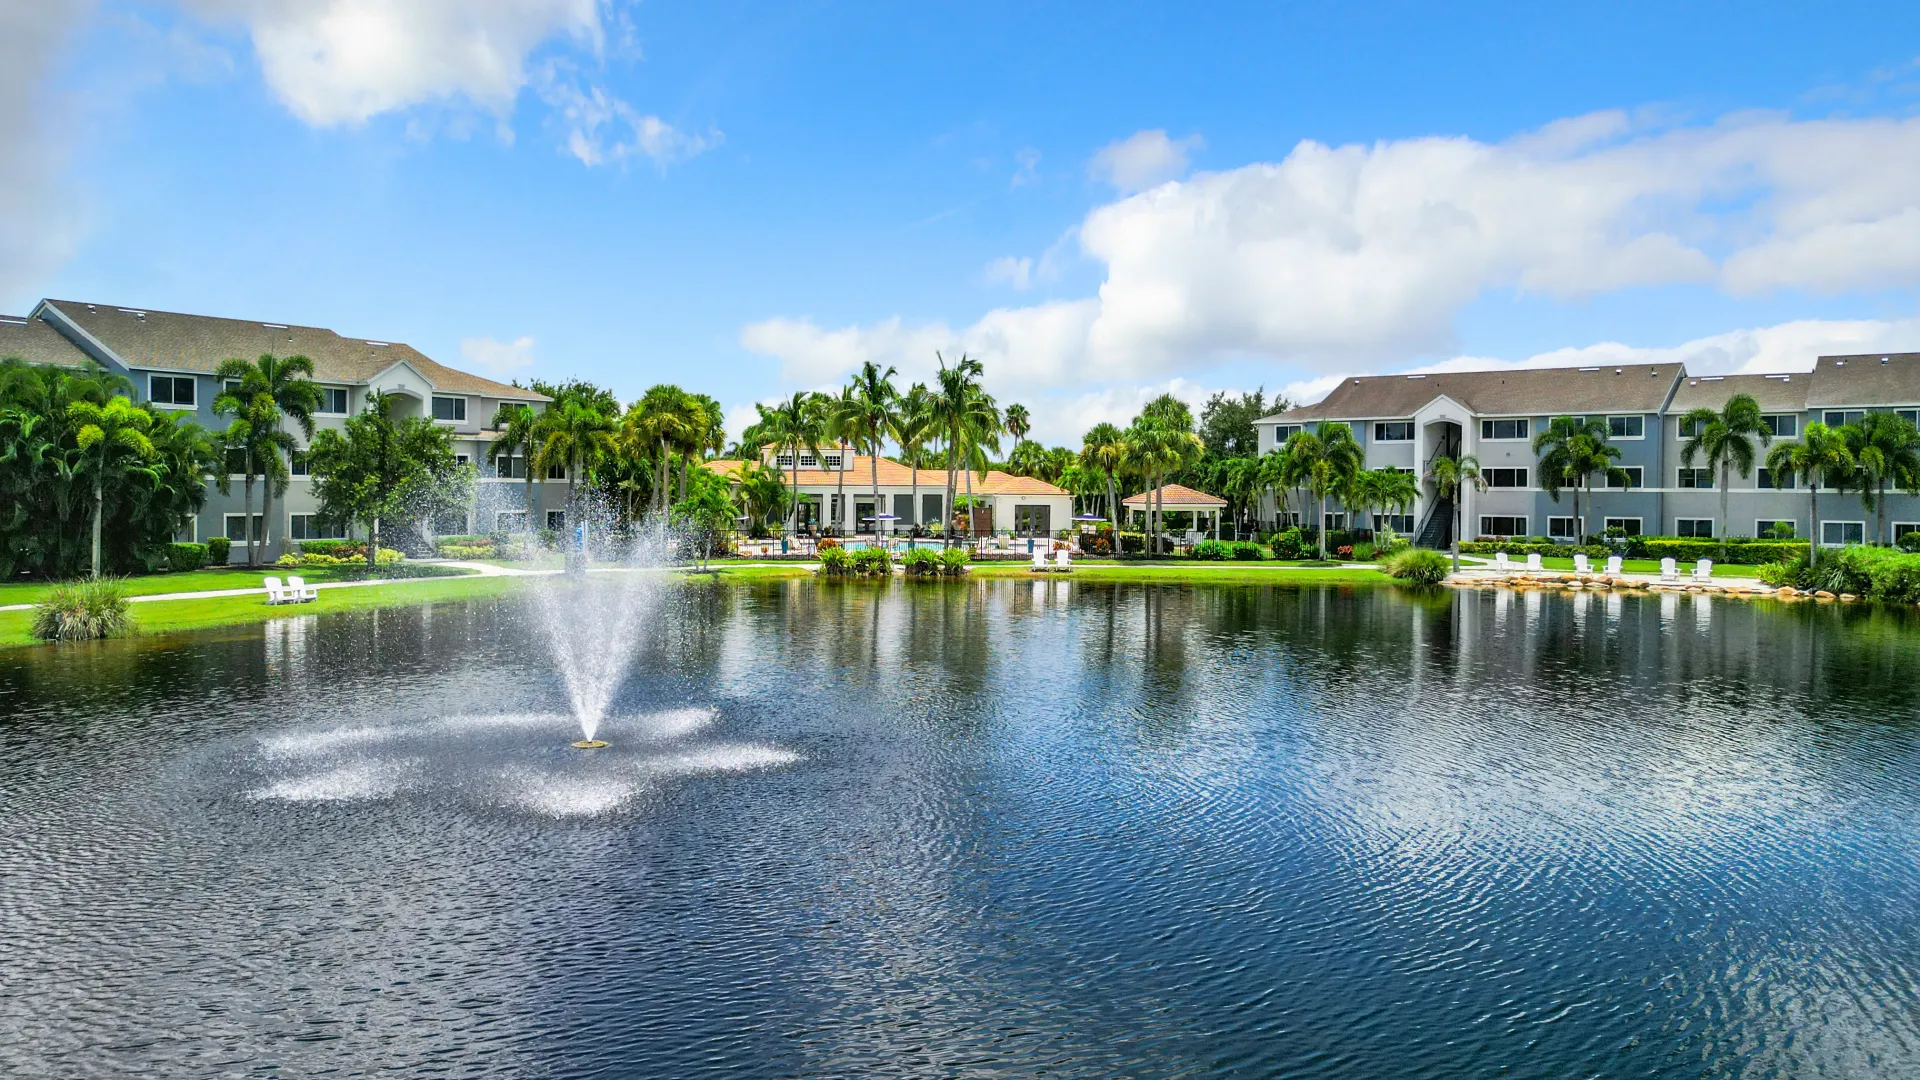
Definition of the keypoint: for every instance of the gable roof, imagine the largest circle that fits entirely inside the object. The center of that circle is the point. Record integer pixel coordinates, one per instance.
(1504, 392)
(1866, 380)
(1177, 496)
(37, 343)
(171, 341)
(1775, 393)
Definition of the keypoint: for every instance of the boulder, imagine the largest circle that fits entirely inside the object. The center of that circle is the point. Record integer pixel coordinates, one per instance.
(1822, 594)
(1787, 592)
(1848, 597)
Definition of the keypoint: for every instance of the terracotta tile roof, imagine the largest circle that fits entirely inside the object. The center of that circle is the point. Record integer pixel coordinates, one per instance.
(1177, 496)
(172, 341)
(1775, 393)
(37, 343)
(894, 474)
(1505, 392)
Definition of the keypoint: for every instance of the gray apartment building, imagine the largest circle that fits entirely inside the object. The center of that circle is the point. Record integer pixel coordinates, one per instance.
(170, 359)
(1405, 421)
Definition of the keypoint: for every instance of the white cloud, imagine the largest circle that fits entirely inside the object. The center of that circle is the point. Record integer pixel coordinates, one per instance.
(602, 129)
(1344, 259)
(344, 61)
(498, 358)
(38, 225)
(1015, 272)
(1143, 159)
(1028, 160)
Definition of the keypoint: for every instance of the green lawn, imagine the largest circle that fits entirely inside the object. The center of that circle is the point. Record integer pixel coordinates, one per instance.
(32, 592)
(1638, 566)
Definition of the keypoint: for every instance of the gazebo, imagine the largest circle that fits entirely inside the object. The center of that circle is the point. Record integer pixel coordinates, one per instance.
(1180, 498)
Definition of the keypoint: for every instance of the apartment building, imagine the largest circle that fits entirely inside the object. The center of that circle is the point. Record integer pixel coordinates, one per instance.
(171, 358)
(1405, 421)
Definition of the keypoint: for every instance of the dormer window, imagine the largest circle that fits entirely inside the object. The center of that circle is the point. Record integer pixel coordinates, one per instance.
(833, 461)
(808, 461)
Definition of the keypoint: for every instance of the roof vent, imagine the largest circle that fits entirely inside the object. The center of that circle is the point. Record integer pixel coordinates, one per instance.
(1416, 376)
(1711, 378)
(1839, 363)
(1782, 378)
(274, 325)
(378, 344)
(1589, 369)
(129, 311)
(1883, 359)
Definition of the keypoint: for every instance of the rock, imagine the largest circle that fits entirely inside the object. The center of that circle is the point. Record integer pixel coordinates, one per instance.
(1848, 597)
(1822, 594)
(1787, 592)
(1575, 586)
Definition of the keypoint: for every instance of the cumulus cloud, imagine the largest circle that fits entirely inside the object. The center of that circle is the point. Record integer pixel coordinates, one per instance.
(344, 61)
(498, 358)
(38, 227)
(1348, 258)
(602, 129)
(1143, 159)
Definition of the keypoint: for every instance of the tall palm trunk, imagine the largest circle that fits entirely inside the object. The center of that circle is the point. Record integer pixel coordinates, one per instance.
(971, 509)
(1726, 475)
(1813, 541)
(1113, 513)
(659, 481)
(266, 512)
(913, 509)
(373, 542)
(873, 466)
(840, 496)
(99, 511)
(246, 512)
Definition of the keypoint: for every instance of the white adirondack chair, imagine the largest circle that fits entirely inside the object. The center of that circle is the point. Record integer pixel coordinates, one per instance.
(1039, 560)
(1533, 560)
(1613, 564)
(1703, 570)
(1062, 561)
(1500, 561)
(1669, 570)
(1581, 565)
(299, 592)
(275, 594)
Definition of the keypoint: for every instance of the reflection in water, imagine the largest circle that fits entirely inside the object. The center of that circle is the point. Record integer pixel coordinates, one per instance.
(982, 829)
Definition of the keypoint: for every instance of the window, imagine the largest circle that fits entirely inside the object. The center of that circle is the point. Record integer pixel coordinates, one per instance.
(1636, 477)
(450, 409)
(556, 520)
(1626, 427)
(509, 521)
(509, 467)
(1764, 529)
(1400, 523)
(333, 399)
(833, 461)
(1336, 522)
(311, 527)
(1393, 431)
(236, 527)
(297, 466)
(1839, 533)
(1696, 478)
(1503, 429)
(1782, 425)
(1693, 528)
(1902, 528)
(1911, 416)
(929, 509)
(1495, 525)
(462, 459)
(808, 461)
(1289, 519)
(175, 390)
(1771, 483)
(556, 472)
(1283, 432)
(1506, 478)
(1627, 526)
(1690, 428)
(1560, 528)
(784, 461)
(1835, 417)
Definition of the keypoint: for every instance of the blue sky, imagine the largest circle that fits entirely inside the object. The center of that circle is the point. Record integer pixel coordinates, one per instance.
(1103, 200)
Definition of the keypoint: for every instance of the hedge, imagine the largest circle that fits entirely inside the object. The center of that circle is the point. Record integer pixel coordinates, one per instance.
(217, 549)
(1534, 547)
(186, 556)
(1740, 552)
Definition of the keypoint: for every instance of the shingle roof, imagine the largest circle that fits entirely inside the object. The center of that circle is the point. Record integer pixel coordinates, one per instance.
(37, 343)
(1775, 393)
(894, 474)
(1176, 496)
(172, 341)
(1866, 380)
(1507, 392)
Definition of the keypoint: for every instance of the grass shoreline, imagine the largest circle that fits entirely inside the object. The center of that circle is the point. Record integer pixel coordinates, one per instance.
(159, 617)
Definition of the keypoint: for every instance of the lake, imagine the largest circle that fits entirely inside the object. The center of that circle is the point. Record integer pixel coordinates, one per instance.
(988, 829)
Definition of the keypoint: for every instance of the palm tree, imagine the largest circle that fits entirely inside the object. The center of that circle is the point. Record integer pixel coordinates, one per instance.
(578, 436)
(1274, 478)
(1104, 450)
(519, 433)
(967, 420)
(762, 493)
(268, 390)
(798, 422)
(1886, 452)
(1726, 439)
(867, 419)
(1821, 454)
(1449, 476)
(1384, 489)
(1018, 423)
(912, 422)
(112, 444)
(1571, 450)
(1324, 462)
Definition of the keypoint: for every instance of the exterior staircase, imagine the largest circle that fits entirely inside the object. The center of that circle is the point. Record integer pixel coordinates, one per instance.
(1438, 530)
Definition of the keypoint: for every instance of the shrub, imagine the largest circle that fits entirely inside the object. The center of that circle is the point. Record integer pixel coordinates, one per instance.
(826, 544)
(1364, 552)
(1739, 551)
(1418, 566)
(1778, 574)
(217, 549)
(182, 557)
(1247, 551)
(1879, 573)
(1289, 544)
(921, 562)
(348, 548)
(83, 611)
(1344, 551)
(1909, 541)
(835, 559)
(1212, 551)
(467, 551)
(954, 561)
(873, 561)
(1100, 542)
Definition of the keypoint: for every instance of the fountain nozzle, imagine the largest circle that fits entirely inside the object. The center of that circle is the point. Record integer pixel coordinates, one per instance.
(590, 744)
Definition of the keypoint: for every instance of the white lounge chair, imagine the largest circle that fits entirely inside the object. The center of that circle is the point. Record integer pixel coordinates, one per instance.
(1062, 561)
(1581, 565)
(1500, 561)
(1669, 570)
(1533, 560)
(275, 594)
(1613, 564)
(299, 592)
(1039, 561)
(1703, 570)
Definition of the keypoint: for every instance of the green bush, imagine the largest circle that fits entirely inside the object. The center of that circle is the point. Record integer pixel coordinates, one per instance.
(873, 561)
(1212, 551)
(1739, 551)
(1777, 574)
(835, 559)
(1881, 573)
(1909, 541)
(341, 548)
(921, 562)
(1417, 566)
(954, 561)
(1290, 544)
(83, 611)
(1534, 547)
(1247, 551)
(183, 557)
(1364, 552)
(217, 549)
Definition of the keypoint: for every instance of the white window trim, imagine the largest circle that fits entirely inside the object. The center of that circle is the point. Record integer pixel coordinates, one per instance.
(314, 515)
(1711, 524)
(1571, 524)
(1491, 486)
(1639, 524)
(1894, 527)
(1526, 525)
(1824, 522)
(498, 514)
(1606, 482)
(1611, 437)
(1712, 480)
(1412, 429)
(1528, 437)
(168, 405)
(1758, 533)
(1798, 422)
(323, 411)
(431, 398)
(266, 532)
